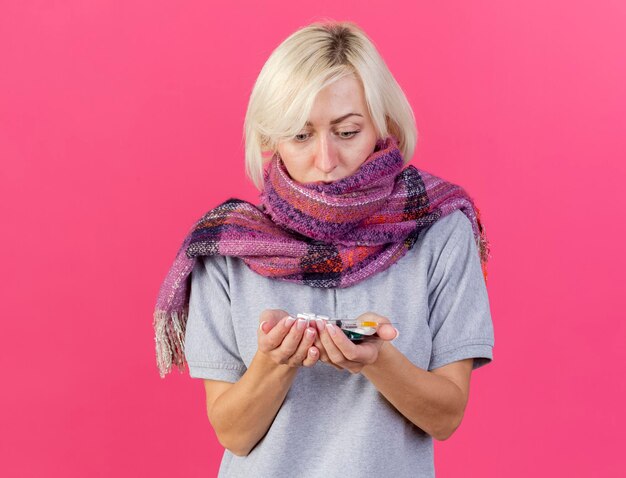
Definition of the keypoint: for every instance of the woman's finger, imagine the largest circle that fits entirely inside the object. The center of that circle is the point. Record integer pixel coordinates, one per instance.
(320, 326)
(387, 332)
(274, 338)
(301, 354)
(323, 356)
(272, 317)
(291, 342)
(312, 357)
(334, 354)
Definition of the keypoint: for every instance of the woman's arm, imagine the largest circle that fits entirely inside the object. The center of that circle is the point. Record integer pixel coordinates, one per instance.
(434, 401)
(243, 413)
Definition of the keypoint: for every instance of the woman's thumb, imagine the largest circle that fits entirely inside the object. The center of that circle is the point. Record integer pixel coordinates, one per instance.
(388, 332)
(272, 317)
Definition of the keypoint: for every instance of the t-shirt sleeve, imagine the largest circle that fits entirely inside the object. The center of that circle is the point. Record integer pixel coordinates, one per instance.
(460, 316)
(210, 343)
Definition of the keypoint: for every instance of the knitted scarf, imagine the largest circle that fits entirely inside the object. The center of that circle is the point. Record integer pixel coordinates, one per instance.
(314, 234)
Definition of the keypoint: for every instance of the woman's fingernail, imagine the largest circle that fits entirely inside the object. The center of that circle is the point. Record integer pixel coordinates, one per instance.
(300, 324)
(290, 320)
(330, 328)
(261, 326)
(310, 333)
(397, 334)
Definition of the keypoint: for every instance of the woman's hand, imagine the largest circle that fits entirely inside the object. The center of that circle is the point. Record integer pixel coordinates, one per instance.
(341, 352)
(285, 343)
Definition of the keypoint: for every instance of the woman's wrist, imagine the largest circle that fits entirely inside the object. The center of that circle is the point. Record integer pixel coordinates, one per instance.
(382, 357)
(267, 366)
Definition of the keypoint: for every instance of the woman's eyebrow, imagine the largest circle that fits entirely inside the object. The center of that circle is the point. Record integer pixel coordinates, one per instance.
(340, 119)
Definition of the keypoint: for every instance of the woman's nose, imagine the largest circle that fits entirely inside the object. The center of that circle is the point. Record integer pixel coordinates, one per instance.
(326, 156)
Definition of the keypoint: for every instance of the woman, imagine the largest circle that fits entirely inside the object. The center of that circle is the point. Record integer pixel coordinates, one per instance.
(344, 231)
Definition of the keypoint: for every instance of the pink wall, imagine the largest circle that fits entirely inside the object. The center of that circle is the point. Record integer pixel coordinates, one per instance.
(121, 123)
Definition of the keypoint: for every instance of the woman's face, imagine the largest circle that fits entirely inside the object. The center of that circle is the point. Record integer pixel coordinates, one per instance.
(337, 139)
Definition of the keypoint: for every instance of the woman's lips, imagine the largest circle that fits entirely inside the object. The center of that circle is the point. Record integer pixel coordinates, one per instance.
(321, 182)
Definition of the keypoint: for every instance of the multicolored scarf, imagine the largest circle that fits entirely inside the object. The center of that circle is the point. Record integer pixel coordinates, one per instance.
(314, 234)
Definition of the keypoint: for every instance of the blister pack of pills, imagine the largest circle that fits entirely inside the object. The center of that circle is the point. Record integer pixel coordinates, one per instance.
(355, 330)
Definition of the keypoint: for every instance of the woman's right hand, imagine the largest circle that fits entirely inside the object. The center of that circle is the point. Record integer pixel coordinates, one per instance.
(285, 340)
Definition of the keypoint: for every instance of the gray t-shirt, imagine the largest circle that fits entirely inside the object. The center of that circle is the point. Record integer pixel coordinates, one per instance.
(333, 422)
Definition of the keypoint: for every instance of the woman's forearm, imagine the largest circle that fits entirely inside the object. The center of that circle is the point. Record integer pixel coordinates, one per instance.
(242, 415)
(431, 402)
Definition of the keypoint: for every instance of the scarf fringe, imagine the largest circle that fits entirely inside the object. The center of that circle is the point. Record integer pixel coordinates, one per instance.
(169, 339)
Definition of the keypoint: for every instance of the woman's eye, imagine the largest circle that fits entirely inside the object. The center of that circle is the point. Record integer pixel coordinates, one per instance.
(301, 137)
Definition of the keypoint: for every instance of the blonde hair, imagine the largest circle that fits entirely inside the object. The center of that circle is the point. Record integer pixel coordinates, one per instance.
(304, 63)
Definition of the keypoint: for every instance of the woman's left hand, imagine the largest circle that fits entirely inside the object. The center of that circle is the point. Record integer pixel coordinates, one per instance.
(341, 352)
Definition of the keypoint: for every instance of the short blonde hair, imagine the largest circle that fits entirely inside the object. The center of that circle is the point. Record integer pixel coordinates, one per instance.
(304, 63)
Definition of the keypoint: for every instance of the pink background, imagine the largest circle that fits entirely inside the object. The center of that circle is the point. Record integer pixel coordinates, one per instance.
(121, 123)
